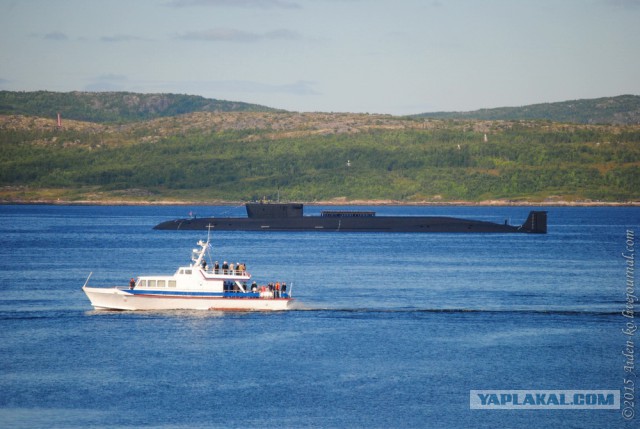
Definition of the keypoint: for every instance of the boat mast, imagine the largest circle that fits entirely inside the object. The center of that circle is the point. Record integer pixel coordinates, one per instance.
(204, 246)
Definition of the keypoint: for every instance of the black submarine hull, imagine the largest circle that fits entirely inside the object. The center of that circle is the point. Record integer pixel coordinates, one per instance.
(288, 217)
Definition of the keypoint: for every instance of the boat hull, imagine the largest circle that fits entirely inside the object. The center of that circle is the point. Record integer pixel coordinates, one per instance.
(346, 224)
(290, 217)
(124, 299)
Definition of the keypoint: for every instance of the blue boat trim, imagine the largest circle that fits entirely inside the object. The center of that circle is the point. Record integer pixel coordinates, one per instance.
(194, 294)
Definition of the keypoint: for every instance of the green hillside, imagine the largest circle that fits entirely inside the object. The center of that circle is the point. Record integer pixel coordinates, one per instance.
(239, 156)
(621, 110)
(114, 107)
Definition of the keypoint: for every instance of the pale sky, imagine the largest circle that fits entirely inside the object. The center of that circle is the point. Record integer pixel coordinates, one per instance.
(376, 56)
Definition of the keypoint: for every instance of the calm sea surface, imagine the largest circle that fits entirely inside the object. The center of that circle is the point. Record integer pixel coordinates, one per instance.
(392, 330)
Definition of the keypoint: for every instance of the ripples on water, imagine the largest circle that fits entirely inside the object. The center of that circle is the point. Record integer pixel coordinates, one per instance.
(392, 330)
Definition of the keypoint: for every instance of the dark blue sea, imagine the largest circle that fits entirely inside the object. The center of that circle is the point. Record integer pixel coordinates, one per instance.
(392, 330)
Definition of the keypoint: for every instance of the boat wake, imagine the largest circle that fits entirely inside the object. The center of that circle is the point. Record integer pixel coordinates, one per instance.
(562, 312)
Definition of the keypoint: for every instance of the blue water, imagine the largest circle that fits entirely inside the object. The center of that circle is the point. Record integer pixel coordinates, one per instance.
(393, 330)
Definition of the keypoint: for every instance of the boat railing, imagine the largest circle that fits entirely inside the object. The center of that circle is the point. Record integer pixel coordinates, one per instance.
(270, 294)
(228, 272)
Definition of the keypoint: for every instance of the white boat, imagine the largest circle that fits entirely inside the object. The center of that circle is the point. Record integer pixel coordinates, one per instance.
(193, 287)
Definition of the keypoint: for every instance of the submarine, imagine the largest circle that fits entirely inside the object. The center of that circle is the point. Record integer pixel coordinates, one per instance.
(290, 217)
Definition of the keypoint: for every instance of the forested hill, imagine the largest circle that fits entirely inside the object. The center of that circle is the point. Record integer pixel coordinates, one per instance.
(243, 156)
(113, 107)
(621, 110)
(157, 147)
(125, 107)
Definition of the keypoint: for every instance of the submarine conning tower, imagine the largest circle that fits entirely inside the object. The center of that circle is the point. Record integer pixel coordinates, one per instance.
(274, 210)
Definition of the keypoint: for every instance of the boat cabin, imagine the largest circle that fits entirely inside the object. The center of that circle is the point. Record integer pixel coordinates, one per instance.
(198, 279)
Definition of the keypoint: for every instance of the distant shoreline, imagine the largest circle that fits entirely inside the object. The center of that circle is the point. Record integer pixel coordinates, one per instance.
(487, 203)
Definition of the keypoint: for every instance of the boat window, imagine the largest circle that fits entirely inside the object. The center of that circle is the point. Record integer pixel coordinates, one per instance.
(142, 283)
(181, 271)
(172, 283)
(161, 283)
(187, 271)
(152, 283)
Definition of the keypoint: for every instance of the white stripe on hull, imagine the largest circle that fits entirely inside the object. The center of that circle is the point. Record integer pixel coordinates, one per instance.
(117, 299)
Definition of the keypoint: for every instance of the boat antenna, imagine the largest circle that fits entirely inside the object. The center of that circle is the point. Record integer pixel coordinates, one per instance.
(87, 281)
